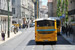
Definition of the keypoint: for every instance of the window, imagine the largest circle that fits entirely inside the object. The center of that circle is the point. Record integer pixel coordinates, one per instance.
(13, 10)
(13, 2)
(70, 1)
(45, 23)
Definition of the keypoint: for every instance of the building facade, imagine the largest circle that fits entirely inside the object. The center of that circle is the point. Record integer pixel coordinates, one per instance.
(52, 8)
(44, 12)
(4, 15)
(71, 10)
(18, 8)
(22, 9)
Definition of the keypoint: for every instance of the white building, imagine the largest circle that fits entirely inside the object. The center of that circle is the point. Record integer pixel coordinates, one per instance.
(22, 9)
(44, 12)
(30, 9)
(17, 8)
(4, 15)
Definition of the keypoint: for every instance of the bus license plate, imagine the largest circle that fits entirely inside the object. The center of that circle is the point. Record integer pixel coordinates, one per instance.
(45, 40)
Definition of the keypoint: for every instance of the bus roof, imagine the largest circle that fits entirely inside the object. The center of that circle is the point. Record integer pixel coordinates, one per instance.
(56, 18)
(45, 19)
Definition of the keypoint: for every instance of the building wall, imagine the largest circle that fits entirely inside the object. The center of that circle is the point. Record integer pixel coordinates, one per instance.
(50, 9)
(71, 10)
(23, 9)
(54, 8)
(16, 9)
(4, 9)
(30, 8)
(71, 5)
(4, 15)
(43, 12)
(3, 5)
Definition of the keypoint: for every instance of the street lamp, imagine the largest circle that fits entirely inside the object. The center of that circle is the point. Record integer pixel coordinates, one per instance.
(1, 23)
(8, 19)
(37, 8)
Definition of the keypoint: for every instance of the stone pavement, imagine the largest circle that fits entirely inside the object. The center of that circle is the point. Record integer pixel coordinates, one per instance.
(12, 35)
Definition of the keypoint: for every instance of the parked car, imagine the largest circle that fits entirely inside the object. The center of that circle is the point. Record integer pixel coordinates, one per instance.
(32, 24)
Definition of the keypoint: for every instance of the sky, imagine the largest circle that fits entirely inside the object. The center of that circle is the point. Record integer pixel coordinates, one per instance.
(44, 2)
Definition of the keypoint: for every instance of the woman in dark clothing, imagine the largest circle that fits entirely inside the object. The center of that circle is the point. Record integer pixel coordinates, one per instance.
(70, 29)
(3, 35)
(63, 29)
(67, 28)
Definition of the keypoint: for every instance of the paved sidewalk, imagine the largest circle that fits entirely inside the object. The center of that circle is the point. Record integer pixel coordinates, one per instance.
(69, 38)
(12, 35)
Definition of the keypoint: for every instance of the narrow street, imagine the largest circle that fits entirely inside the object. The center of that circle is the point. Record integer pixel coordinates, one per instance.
(24, 23)
(26, 41)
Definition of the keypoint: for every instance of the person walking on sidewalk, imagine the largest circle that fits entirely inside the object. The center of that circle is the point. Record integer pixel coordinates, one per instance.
(26, 24)
(70, 29)
(15, 30)
(66, 30)
(3, 35)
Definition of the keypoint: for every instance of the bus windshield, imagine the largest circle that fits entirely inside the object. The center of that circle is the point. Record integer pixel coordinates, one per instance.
(45, 23)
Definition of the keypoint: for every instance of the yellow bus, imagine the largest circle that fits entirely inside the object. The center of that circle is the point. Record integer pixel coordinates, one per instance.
(45, 30)
(58, 24)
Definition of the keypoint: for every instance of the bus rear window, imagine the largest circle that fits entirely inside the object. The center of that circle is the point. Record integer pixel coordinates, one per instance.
(45, 23)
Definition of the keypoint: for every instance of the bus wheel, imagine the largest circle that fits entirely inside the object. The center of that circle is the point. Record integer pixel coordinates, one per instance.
(37, 42)
(54, 42)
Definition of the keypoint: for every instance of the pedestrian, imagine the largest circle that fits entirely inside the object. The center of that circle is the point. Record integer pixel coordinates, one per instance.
(27, 24)
(19, 26)
(69, 30)
(3, 35)
(63, 29)
(66, 30)
(15, 30)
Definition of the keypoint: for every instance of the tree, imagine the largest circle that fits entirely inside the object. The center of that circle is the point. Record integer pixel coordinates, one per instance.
(62, 8)
(66, 8)
(58, 8)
